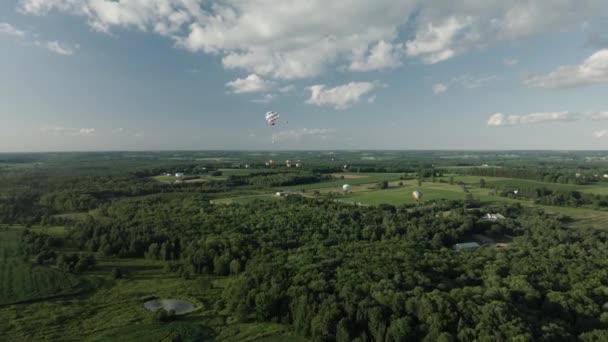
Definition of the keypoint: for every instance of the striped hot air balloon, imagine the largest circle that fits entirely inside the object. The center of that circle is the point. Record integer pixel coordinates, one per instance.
(417, 195)
(272, 118)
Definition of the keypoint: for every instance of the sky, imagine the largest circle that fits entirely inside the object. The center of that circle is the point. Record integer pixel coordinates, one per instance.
(82, 75)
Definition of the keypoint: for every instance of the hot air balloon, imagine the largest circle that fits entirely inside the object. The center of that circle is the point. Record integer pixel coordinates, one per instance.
(272, 118)
(417, 195)
(346, 188)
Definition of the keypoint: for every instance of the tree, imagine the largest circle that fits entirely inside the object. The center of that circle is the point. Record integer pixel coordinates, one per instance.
(384, 184)
(117, 273)
(482, 183)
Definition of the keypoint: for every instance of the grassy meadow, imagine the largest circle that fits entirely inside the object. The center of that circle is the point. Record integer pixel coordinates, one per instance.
(22, 281)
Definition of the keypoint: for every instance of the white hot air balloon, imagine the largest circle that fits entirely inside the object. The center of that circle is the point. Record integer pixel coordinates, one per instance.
(272, 118)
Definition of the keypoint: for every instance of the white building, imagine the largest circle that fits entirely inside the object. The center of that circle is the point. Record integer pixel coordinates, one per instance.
(493, 217)
(179, 174)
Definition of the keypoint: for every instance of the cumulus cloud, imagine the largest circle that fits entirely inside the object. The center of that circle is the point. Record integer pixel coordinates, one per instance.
(435, 42)
(251, 84)
(500, 119)
(297, 134)
(340, 97)
(439, 88)
(8, 29)
(593, 70)
(381, 56)
(58, 48)
(301, 39)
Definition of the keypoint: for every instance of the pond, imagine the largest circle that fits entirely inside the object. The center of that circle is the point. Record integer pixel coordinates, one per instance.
(180, 306)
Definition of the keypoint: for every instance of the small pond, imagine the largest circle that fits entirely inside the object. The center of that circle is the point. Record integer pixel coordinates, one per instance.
(180, 306)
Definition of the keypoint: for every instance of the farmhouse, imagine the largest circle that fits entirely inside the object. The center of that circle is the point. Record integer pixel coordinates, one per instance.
(493, 217)
(283, 193)
(179, 174)
(465, 245)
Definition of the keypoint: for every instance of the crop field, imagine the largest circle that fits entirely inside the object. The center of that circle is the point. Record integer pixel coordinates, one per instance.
(21, 281)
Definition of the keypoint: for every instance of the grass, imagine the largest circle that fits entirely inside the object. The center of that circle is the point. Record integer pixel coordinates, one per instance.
(363, 178)
(21, 281)
(402, 194)
(115, 311)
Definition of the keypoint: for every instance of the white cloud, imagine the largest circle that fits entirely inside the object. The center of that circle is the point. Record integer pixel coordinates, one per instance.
(302, 39)
(138, 135)
(341, 97)
(86, 131)
(510, 62)
(439, 88)
(435, 42)
(381, 56)
(601, 134)
(251, 84)
(598, 116)
(265, 99)
(118, 130)
(593, 70)
(499, 119)
(297, 134)
(465, 81)
(8, 29)
(61, 130)
(371, 99)
(58, 48)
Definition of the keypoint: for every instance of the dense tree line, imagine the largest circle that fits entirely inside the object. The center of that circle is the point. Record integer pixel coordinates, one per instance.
(533, 172)
(542, 195)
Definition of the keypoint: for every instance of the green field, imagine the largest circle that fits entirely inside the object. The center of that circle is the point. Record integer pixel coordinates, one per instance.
(114, 312)
(397, 195)
(402, 194)
(360, 178)
(22, 281)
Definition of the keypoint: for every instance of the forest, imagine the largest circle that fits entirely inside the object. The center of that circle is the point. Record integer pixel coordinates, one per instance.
(324, 269)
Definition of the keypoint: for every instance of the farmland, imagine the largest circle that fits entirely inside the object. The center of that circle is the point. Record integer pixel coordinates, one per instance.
(22, 281)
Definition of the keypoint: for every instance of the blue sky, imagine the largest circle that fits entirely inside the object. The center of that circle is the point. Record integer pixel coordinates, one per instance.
(178, 74)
